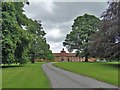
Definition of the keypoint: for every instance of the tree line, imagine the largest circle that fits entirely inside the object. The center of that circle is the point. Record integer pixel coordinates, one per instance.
(94, 37)
(23, 39)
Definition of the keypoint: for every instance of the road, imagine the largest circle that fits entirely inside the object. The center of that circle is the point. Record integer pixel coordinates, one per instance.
(64, 79)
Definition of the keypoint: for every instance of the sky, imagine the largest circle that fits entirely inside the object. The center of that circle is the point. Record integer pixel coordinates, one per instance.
(58, 17)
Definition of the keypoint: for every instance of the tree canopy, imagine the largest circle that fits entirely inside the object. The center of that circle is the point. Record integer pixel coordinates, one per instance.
(82, 28)
(21, 37)
(106, 42)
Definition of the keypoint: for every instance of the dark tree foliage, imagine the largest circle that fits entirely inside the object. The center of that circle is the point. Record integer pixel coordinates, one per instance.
(78, 39)
(14, 36)
(0, 33)
(106, 42)
(39, 48)
(21, 35)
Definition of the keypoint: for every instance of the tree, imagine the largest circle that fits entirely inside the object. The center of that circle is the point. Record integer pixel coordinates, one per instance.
(15, 40)
(106, 41)
(39, 47)
(82, 28)
(0, 47)
(18, 42)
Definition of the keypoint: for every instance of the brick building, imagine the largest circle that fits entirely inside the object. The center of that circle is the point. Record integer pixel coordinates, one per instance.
(63, 56)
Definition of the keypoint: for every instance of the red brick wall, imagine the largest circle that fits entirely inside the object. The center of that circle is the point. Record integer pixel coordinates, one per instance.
(73, 59)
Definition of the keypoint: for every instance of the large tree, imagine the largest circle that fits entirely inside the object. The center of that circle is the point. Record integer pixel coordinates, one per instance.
(82, 28)
(0, 47)
(106, 42)
(39, 47)
(21, 37)
(14, 38)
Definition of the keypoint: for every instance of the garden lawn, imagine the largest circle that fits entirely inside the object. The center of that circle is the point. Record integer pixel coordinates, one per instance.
(103, 71)
(28, 76)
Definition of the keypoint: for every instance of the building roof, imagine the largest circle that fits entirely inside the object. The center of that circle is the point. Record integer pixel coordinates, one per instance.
(63, 53)
(71, 54)
(66, 54)
(57, 54)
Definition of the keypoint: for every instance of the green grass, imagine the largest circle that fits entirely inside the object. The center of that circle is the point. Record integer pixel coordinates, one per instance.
(107, 72)
(28, 76)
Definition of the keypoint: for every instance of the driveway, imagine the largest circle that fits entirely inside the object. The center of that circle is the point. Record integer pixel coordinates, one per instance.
(64, 79)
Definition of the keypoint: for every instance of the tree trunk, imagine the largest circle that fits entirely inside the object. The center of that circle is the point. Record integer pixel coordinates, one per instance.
(86, 54)
(86, 58)
(33, 60)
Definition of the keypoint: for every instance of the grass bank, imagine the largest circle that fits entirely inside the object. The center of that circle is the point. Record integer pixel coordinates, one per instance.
(103, 71)
(28, 76)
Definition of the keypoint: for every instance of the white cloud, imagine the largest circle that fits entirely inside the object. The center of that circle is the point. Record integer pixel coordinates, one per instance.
(55, 33)
(72, 0)
(57, 17)
(49, 6)
(56, 47)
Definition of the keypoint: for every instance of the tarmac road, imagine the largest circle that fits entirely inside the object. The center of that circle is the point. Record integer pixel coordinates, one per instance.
(64, 79)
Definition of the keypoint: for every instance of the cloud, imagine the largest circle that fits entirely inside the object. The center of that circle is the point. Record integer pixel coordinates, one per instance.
(55, 35)
(57, 17)
(57, 47)
(48, 5)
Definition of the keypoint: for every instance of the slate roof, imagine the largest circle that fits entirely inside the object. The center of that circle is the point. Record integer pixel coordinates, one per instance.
(64, 54)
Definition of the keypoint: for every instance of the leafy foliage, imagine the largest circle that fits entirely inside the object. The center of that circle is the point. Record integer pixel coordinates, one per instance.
(106, 42)
(21, 36)
(39, 47)
(82, 28)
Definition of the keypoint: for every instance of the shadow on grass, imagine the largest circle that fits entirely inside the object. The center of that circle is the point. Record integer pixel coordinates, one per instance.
(114, 65)
(10, 66)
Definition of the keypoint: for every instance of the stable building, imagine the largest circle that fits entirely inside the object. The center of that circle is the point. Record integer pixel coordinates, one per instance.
(63, 56)
(69, 57)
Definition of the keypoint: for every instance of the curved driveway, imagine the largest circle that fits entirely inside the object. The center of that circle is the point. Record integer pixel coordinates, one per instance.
(64, 79)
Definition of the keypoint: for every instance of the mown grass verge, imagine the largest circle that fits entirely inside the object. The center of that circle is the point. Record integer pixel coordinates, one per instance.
(103, 71)
(28, 76)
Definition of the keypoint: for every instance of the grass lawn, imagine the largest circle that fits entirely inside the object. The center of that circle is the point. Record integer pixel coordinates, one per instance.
(28, 76)
(103, 71)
